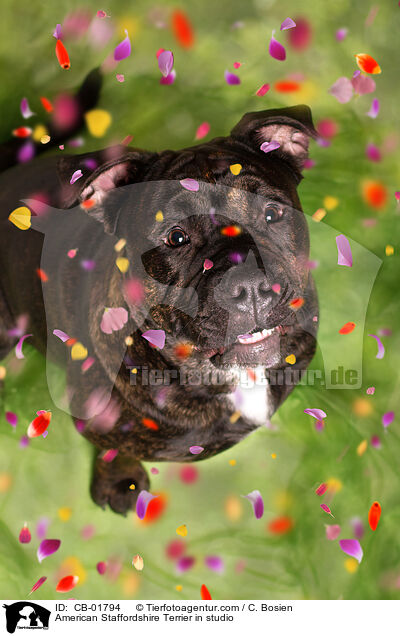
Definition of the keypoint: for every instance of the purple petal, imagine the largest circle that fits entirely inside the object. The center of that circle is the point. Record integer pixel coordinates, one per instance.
(41, 527)
(123, 50)
(77, 175)
(47, 548)
(156, 337)
(26, 152)
(358, 527)
(38, 584)
(114, 318)
(196, 450)
(18, 348)
(88, 265)
(231, 78)
(332, 532)
(352, 548)
(25, 110)
(57, 33)
(288, 24)
(345, 256)
(61, 334)
(363, 84)
(341, 34)
(190, 184)
(166, 62)
(381, 348)
(142, 502)
(276, 50)
(170, 79)
(184, 564)
(11, 418)
(268, 146)
(257, 503)
(375, 441)
(374, 110)
(372, 152)
(356, 73)
(319, 414)
(342, 89)
(215, 563)
(387, 418)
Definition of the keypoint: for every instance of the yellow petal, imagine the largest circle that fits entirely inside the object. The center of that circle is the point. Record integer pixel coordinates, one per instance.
(330, 203)
(98, 121)
(119, 245)
(21, 217)
(159, 216)
(122, 263)
(64, 513)
(137, 562)
(291, 359)
(232, 462)
(362, 447)
(389, 250)
(319, 214)
(273, 455)
(351, 565)
(234, 417)
(178, 588)
(78, 351)
(233, 508)
(38, 132)
(235, 168)
(182, 531)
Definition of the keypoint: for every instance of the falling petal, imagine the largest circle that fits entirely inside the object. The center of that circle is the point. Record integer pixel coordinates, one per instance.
(38, 584)
(345, 256)
(138, 563)
(347, 328)
(110, 455)
(280, 525)
(235, 168)
(76, 175)
(62, 55)
(215, 563)
(358, 527)
(202, 130)
(276, 50)
(196, 450)
(39, 425)
(18, 348)
(296, 303)
(321, 489)
(387, 418)
(257, 502)
(170, 79)
(326, 509)
(288, 24)
(182, 530)
(319, 414)
(207, 265)
(98, 121)
(41, 527)
(156, 337)
(25, 535)
(332, 532)
(47, 548)
(374, 110)
(61, 334)
(101, 567)
(263, 90)
(372, 152)
(57, 32)
(231, 78)
(182, 29)
(375, 441)
(374, 515)
(11, 418)
(205, 594)
(381, 348)
(190, 184)
(370, 390)
(26, 152)
(352, 548)
(341, 34)
(268, 146)
(166, 62)
(342, 89)
(184, 564)
(114, 318)
(22, 132)
(123, 50)
(25, 110)
(120, 77)
(362, 84)
(367, 63)
(142, 502)
(67, 583)
(300, 37)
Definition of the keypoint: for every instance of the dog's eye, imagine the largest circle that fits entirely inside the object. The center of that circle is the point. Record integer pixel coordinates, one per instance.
(273, 213)
(177, 237)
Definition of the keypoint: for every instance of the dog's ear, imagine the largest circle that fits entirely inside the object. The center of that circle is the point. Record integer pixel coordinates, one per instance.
(102, 171)
(291, 127)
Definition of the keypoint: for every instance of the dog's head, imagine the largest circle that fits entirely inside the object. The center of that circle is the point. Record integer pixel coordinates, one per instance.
(225, 253)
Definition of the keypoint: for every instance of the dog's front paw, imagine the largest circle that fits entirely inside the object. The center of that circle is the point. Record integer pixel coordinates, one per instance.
(118, 483)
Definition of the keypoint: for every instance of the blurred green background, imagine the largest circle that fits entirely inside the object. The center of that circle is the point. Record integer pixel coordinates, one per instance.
(50, 478)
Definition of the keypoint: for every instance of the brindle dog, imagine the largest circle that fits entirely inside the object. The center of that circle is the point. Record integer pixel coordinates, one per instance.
(238, 312)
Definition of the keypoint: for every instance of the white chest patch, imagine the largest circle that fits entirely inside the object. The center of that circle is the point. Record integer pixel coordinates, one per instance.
(251, 396)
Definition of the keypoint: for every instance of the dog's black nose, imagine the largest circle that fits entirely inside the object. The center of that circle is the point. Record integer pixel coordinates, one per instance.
(249, 291)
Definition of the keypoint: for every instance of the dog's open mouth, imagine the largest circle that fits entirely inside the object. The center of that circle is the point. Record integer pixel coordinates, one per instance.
(258, 335)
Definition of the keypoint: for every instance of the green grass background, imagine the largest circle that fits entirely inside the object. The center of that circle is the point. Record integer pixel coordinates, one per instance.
(54, 473)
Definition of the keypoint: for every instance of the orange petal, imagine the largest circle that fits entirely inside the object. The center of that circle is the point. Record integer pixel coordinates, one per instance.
(367, 64)
(347, 328)
(205, 594)
(374, 515)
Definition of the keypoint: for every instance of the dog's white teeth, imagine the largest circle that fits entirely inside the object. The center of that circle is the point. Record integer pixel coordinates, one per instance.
(251, 338)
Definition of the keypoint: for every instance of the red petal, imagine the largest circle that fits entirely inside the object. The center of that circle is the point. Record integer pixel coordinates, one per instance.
(205, 594)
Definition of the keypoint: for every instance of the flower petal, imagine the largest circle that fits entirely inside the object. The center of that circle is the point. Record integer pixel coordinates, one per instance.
(47, 547)
(18, 348)
(156, 337)
(387, 418)
(76, 175)
(276, 50)
(142, 502)
(25, 110)
(341, 34)
(347, 328)
(166, 62)
(326, 509)
(202, 130)
(38, 584)
(61, 334)
(190, 184)
(268, 146)
(11, 418)
(196, 450)
(231, 78)
(263, 90)
(367, 63)
(257, 502)
(67, 583)
(345, 256)
(114, 318)
(40, 424)
(363, 85)
(288, 24)
(25, 535)
(319, 414)
(374, 110)
(205, 594)
(123, 50)
(342, 89)
(138, 563)
(381, 348)
(321, 489)
(207, 264)
(332, 532)
(352, 548)
(215, 563)
(374, 515)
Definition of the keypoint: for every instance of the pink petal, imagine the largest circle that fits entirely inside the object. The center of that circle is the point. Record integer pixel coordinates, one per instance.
(268, 146)
(154, 471)
(319, 414)
(319, 425)
(352, 548)
(101, 567)
(57, 33)
(61, 334)
(18, 348)
(342, 89)
(76, 175)
(263, 90)
(207, 264)
(381, 348)
(134, 292)
(202, 130)
(374, 110)
(86, 364)
(276, 288)
(190, 184)
(25, 535)
(26, 152)
(142, 502)
(397, 196)
(47, 548)
(363, 84)
(276, 50)
(156, 337)
(231, 78)
(332, 532)
(341, 34)
(170, 79)
(120, 77)
(38, 584)
(114, 318)
(11, 418)
(387, 418)
(196, 450)
(375, 441)
(123, 50)
(370, 390)
(358, 527)
(215, 563)
(321, 489)
(288, 24)
(345, 256)
(184, 564)
(25, 110)
(372, 152)
(166, 62)
(326, 509)
(257, 502)
(110, 455)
